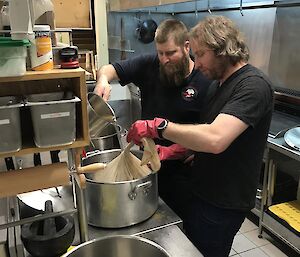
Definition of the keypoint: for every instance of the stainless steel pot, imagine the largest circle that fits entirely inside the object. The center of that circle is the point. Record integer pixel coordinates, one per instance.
(119, 204)
(100, 114)
(119, 246)
(108, 139)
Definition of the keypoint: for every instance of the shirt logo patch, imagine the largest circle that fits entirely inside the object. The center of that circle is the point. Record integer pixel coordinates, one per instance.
(189, 93)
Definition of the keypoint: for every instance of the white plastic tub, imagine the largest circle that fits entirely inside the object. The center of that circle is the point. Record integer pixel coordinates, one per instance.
(13, 57)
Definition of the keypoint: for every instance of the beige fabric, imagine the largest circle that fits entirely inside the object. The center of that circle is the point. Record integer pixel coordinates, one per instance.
(127, 167)
(150, 154)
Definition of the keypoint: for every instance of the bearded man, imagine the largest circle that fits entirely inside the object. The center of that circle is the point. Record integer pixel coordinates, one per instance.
(171, 88)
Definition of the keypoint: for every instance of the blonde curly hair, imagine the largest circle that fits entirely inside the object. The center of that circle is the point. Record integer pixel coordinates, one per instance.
(220, 34)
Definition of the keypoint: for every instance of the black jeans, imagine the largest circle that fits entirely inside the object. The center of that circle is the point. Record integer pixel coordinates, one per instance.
(174, 185)
(212, 229)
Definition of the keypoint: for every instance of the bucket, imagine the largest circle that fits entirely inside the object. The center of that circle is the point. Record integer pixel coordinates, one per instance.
(41, 49)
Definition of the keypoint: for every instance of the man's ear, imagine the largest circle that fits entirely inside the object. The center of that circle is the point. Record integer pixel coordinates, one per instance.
(187, 45)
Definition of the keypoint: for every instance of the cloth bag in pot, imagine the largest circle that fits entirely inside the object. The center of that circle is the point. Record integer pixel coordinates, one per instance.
(119, 204)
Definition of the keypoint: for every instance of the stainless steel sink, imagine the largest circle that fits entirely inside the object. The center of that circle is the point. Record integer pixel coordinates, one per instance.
(119, 246)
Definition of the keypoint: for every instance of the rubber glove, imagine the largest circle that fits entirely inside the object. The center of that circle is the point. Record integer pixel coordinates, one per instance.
(172, 152)
(143, 128)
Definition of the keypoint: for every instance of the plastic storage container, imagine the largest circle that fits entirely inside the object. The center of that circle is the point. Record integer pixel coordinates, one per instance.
(53, 117)
(10, 127)
(13, 57)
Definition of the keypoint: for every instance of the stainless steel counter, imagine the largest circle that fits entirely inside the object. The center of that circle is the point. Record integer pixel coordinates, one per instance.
(279, 145)
(277, 149)
(163, 228)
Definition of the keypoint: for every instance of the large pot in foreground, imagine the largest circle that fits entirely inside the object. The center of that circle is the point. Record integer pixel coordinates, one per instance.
(119, 246)
(119, 204)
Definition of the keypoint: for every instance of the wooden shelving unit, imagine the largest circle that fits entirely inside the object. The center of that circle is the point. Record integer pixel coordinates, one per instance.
(35, 82)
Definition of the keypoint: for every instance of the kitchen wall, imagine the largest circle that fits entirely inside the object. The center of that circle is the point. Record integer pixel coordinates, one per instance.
(271, 31)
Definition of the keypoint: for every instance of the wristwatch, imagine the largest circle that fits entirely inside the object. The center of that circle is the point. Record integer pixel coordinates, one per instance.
(161, 127)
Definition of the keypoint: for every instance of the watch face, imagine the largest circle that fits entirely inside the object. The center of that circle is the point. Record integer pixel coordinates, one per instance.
(163, 125)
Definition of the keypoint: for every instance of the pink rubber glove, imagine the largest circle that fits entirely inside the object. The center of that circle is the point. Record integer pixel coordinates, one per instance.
(143, 128)
(172, 152)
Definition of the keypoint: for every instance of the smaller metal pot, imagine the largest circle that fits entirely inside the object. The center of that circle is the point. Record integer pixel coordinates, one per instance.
(100, 114)
(108, 139)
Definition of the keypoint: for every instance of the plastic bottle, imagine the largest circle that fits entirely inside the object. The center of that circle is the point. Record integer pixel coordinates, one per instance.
(41, 49)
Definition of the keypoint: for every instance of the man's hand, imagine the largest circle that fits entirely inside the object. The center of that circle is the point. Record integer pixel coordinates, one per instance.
(172, 152)
(143, 128)
(103, 89)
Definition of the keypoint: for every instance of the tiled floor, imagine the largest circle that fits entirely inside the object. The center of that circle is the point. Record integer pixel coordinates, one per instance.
(247, 244)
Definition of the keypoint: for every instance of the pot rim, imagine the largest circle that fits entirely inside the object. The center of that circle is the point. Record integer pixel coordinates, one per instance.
(107, 136)
(139, 238)
(120, 182)
(98, 152)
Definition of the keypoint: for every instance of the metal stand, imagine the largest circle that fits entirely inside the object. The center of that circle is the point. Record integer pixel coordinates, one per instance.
(275, 146)
(79, 199)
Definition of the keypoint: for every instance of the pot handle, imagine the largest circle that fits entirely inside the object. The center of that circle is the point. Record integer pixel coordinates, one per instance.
(143, 186)
(94, 167)
(88, 154)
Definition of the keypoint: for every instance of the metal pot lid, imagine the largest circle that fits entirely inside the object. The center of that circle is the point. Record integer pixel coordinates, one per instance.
(292, 138)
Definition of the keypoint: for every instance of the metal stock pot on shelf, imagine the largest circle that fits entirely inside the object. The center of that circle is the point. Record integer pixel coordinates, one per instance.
(119, 204)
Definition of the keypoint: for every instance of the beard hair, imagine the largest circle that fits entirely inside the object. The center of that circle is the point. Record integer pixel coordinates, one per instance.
(175, 74)
(221, 65)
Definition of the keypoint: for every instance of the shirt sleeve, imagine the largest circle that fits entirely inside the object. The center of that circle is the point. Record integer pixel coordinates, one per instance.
(132, 70)
(250, 101)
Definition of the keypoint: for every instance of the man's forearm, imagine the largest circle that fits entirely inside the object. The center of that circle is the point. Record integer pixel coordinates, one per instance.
(108, 73)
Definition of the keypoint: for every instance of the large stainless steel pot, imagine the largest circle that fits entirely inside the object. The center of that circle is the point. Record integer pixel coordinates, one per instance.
(119, 246)
(119, 204)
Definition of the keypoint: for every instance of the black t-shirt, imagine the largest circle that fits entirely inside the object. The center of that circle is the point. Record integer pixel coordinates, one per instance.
(229, 179)
(181, 104)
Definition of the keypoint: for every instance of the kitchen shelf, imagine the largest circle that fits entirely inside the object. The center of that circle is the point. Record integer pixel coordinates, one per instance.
(280, 231)
(276, 147)
(28, 149)
(36, 82)
(39, 82)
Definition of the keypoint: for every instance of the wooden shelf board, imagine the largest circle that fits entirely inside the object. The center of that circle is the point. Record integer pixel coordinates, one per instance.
(32, 149)
(49, 74)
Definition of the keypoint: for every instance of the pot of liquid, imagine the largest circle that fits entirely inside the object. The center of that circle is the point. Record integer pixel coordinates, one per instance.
(118, 204)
